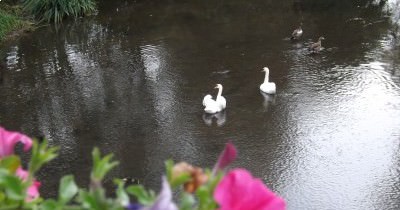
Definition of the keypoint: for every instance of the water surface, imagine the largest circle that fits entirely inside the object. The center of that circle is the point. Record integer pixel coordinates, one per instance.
(131, 79)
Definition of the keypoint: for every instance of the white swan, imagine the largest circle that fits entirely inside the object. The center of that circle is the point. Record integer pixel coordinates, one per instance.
(214, 106)
(267, 87)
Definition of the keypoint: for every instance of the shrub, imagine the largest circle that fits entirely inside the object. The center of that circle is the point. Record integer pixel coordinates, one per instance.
(56, 10)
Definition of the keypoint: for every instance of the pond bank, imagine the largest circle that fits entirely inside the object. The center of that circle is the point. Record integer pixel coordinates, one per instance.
(13, 22)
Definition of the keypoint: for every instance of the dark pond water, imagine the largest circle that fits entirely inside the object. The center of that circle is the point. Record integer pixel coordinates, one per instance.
(131, 79)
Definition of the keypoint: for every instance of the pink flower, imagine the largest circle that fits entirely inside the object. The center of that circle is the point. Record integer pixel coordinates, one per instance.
(226, 157)
(8, 139)
(238, 190)
(22, 174)
(33, 190)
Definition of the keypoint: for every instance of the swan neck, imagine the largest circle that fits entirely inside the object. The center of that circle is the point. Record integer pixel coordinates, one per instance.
(219, 91)
(266, 77)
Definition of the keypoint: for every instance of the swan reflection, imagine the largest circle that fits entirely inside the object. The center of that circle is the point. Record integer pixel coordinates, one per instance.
(220, 118)
(269, 100)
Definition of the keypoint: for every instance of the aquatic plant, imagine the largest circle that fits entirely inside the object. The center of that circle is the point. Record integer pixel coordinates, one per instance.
(56, 10)
(198, 189)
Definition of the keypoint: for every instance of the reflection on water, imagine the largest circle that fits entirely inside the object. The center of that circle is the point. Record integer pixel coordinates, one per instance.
(375, 65)
(269, 100)
(219, 118)
(129, 81)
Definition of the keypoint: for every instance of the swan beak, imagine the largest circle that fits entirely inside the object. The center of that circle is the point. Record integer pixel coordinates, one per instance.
(216, 86)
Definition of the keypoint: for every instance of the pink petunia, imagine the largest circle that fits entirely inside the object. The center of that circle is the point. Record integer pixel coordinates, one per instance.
(226, 157)
(8, 139)
(33, 190)
(238, 190)
(22, 174)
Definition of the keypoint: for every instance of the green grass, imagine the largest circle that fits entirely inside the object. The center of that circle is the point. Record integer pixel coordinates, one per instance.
(8, 23)
(56, 10)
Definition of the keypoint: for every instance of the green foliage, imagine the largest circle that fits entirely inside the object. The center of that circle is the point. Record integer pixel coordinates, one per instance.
(11, 162)
(14, 189)
(122, 195)
(101, 166)
(68, 189)
(8, 22)
(41, 154)
(187, 201)
(143, 196)
(205, 193)
(169, 164)
(56, 10)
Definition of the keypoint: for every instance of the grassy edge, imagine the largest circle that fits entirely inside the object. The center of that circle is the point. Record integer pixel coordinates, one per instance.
(12, 22)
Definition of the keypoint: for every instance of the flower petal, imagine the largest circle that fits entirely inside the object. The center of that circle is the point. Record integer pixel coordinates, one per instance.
(33, 191)
(8, 139)
(226, 157)
(239, 190)
(134, 206)
(164, 199)
(22, 174)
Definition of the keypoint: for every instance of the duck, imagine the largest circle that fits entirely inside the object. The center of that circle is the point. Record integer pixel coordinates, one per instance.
(267, 87)
(212, 106)
(316, 46)
(297, 33)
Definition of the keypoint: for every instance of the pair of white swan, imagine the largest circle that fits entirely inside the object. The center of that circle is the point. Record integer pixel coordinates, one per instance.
(213, 106)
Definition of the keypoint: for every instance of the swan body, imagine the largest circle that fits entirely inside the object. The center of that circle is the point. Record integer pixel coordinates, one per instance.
(207, 100)
(221, 101)
(217, 105)
(297, 33)
(267, 87)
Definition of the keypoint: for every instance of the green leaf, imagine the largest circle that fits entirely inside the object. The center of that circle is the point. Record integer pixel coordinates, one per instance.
(2, 197)
(88, 200)
(122, 196)
(175, 182)
(187, 201)
(11, 163)
(41, 154)
(205, 193)
(169, 164)
(68, 189)
(144, 197)
(14, 188)
(101, 166)
(50, 204)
